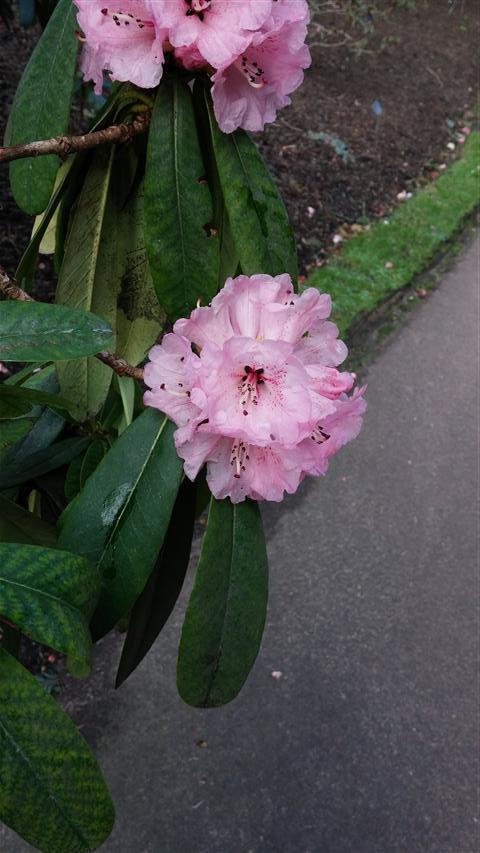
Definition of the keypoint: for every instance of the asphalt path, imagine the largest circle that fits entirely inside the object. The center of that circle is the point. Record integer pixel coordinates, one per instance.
(357, 731)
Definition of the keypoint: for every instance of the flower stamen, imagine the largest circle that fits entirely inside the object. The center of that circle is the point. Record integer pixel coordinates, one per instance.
(163, 387)
(252, 71)
(248, 388)
(239, 457)
(197, 7)
(319, 436)
(126, 18)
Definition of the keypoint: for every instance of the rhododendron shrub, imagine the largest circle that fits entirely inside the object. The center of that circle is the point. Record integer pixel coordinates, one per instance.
(179, 371)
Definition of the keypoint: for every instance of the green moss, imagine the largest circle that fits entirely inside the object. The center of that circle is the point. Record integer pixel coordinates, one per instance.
(358, 280)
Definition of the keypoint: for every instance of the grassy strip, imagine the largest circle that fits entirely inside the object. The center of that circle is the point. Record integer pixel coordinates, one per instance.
(358, 280)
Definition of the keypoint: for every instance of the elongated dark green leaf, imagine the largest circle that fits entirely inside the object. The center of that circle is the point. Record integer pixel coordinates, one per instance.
(92, 459)
(72, 479)
(89, 279)
(229, 259)
(47, 425)
(34, 331)
(67, 186)
(12, 406)
(44, 431)
(182, 250)
(156, 602)
(259, 222)
(83, 467)
(140, 316)
(22, 396)
(52, 792)
(65, 176)
(13, 431)
(18, 525)
(41, 108)
(119, 519)
(46, 592)
(41, 461)
(225, 617)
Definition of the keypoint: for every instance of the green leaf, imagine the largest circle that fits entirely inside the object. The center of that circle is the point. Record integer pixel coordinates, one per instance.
(34, 331)
(41, 461)
(12, 406)
(47, 425)
(52, 793)
(140, 317)
(24, 398)
(183, 252)
(18, 525)
(258, 219)
(90, 462)
(89, 279)
(225, 617)
(229, 259)
(13, 431)
(72, 480)
(119, 519)
(66, 176)
(46, 592)
(83, 467)
(41, 108)
(68, 183)
(156, 602)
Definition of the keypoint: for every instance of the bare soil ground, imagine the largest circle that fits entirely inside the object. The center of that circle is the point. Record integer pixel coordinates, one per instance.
(360, 129)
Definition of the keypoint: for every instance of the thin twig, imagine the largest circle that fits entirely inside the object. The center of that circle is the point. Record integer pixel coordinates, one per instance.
(10, 289)
(65, 145)
(120, 366)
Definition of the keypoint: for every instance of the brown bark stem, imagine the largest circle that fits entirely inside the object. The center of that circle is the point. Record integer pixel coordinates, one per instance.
(65, 145)
(120, 366)
(10, 289)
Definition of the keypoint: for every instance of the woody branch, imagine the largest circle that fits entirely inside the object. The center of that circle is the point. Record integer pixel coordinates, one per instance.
(65, 145)
(10, 290)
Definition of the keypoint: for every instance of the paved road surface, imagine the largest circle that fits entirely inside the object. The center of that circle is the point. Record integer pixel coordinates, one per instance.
(366, 743)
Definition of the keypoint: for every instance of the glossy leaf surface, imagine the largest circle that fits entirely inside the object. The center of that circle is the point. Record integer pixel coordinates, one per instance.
(163, 587)
(182, 250)
(35, 331)
(120, 518)
(226, 613)
(41, 108)
(259, 224)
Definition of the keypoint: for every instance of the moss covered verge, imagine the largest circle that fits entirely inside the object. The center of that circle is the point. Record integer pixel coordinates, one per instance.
(386, 258)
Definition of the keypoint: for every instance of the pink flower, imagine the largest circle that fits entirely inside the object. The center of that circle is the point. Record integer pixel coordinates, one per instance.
(218, 29)
(252, 384)
(190, 58)
(249, 91)
(121, 38)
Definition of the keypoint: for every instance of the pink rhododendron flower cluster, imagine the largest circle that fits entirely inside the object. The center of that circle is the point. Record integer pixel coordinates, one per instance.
(254, 49)
(252, 384)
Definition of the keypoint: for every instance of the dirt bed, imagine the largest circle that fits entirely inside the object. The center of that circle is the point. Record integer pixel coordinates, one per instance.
(361, 129)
